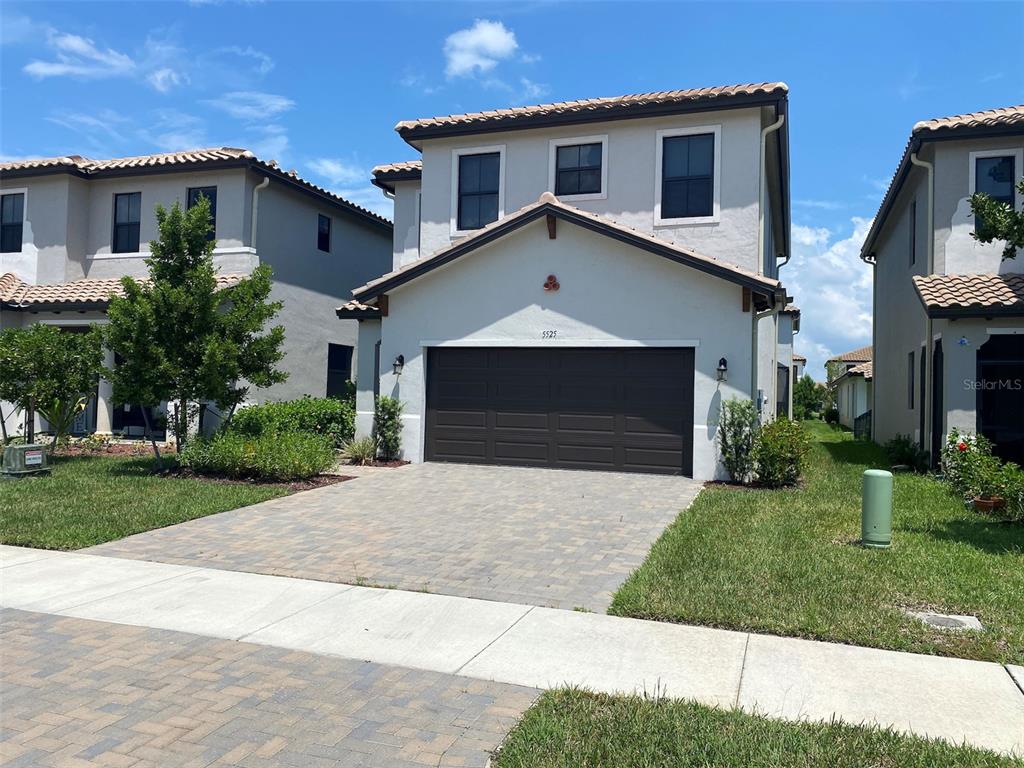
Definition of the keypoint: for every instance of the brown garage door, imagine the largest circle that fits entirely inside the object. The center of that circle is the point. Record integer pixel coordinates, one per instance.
(609, 409)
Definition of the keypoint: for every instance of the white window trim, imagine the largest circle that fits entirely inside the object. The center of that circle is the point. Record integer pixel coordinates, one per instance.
(716, 207)
(456, 154)
(25, 230)
(557, 342)
(553, 146)
(1018, 168)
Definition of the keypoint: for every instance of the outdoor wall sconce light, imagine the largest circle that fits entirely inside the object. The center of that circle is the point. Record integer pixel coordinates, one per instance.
(398, 365)
(723, 369)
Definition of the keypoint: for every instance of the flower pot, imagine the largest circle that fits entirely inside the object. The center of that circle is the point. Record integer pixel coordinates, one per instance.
(989, 504)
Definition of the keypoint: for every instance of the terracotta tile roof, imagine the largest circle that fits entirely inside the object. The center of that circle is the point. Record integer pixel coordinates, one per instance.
(800, 358)
(867, 370)
(977, 294)
(862, 355)
(357, 309)
(989, 118)
(1010, 118)
(548, 200)
(791, 308)
(590, 109)
(385, 176)
(17, 294)
(193, 157)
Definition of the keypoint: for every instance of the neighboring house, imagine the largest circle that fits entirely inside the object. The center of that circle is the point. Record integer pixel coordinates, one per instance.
(581, 285)
(851, 377)
(73, 226)
(799, 365)
(948, 310)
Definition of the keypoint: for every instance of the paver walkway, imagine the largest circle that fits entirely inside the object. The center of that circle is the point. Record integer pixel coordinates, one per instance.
(536, 536)
(956, 699)
(77, 692)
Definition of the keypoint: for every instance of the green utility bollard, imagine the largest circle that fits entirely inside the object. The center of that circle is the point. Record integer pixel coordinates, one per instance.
(876, 509)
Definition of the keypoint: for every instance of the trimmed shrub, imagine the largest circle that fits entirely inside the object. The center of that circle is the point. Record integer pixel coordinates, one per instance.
(738, 426)
(1012, 481)
(966, 458)
(275, 457)
(831, 416)
(387, 427)
(902, 449)
(327, 416)
(360, 451)
(779, 452)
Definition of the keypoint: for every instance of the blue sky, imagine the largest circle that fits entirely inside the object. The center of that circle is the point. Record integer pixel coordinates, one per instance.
(319, 87)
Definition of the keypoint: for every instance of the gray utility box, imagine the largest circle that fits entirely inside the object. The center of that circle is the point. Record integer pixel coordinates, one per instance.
(22, 460)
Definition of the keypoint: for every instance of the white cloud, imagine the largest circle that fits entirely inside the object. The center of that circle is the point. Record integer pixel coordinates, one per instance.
(531, 91)
(338, 172)
(173, 130)
(478, 49)
(165, 78)
(252, 105)
(262, 62)
(832, 287)
(271, 143)
(78, 56)
(823, 205)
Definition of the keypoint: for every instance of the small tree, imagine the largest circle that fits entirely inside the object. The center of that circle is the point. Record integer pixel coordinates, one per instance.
(45, 369)
(184, 340)
(387, 427)
(808, 397)
(996, 220)
(738, 427)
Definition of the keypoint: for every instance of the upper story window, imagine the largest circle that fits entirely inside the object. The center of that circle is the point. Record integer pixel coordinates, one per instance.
(578, 167)
(210, 193)
(479, 184)
(994, 177)
(323, 233)
(12, 217)
(127, 219)
(688, 173)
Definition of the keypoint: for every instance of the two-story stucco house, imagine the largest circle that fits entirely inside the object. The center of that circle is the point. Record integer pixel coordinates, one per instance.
(72, 227)
(949, 311)
(853, 388)
(581, 285)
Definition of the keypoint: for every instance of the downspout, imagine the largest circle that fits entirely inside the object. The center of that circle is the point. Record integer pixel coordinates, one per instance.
(756, 318)
(763, 193)
(256, 209)
(926, 438)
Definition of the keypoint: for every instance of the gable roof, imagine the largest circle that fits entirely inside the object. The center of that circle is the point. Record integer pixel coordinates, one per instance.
(186, 160)
(862, 355)
(74, 295)
(385, 176)
(991, 122)
(549, 205)
(593, 110)
(971, 295)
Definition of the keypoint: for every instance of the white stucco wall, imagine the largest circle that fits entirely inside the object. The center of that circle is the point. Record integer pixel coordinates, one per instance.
(853, 398)
(631, 162)
(407, 223)
(44, 232)
(611, 294)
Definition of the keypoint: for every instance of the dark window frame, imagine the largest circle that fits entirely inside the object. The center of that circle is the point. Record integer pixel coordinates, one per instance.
(1012, 157)
(12, 233)
(688, 179)
(338, 376)
(133, 227)
(910, 380)
(480, 193)
(192, 197)
(576, 172)
(322, 234)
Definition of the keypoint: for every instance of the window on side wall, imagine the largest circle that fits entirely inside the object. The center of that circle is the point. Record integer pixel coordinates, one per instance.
(210, 193)
(994, 177)
(688, 176)
(12, 218)
(127, 219)
(479, 184)
(339, 369)
(323, 233)
(910, 380)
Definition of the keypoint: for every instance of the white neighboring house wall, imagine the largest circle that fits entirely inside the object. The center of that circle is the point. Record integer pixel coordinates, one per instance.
(853, 399)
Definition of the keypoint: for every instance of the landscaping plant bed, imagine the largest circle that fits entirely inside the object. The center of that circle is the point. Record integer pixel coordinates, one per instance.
(317, 481)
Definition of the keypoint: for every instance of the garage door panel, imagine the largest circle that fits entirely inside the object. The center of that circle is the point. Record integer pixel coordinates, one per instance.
(610, 409)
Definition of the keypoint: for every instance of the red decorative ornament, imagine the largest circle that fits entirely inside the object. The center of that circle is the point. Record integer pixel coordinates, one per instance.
(963, 447)
(551, 284)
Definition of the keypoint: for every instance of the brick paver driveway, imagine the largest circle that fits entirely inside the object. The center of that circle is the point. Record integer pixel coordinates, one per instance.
(537, 536)
(81, 693)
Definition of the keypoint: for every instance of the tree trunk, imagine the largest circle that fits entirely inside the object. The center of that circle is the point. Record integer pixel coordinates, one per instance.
(3, 427)
(152, 439)
(30, 422)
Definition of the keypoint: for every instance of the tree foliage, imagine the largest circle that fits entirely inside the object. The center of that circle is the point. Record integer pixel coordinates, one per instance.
(51, 371)
(808, 397)
(996, 220)
(182, 339)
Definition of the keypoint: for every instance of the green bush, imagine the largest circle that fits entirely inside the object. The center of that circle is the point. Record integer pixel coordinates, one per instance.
(361, 451)
(1012, 482)
(387, 427)
(831, 416)
(738, 426)
(902, 449)
(327, 416)
(966, 459)
(779, 452)
(275, 457)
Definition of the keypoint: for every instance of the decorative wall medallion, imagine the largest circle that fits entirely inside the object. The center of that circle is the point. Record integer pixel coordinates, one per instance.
(551, 284)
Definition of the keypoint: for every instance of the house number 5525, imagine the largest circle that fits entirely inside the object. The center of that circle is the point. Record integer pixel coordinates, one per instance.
(548, 334)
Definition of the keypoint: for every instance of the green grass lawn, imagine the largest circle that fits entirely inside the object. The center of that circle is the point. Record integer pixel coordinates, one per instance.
(787, 562)
(575, 729)
(91, 499)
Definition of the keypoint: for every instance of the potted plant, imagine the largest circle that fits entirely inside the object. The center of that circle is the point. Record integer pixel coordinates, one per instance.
(986, 484)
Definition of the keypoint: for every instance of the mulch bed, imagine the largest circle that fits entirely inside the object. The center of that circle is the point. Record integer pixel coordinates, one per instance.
(319, 481)
(113, 449)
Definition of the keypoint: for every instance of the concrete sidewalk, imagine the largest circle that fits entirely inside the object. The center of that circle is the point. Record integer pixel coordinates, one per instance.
(954, 699)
